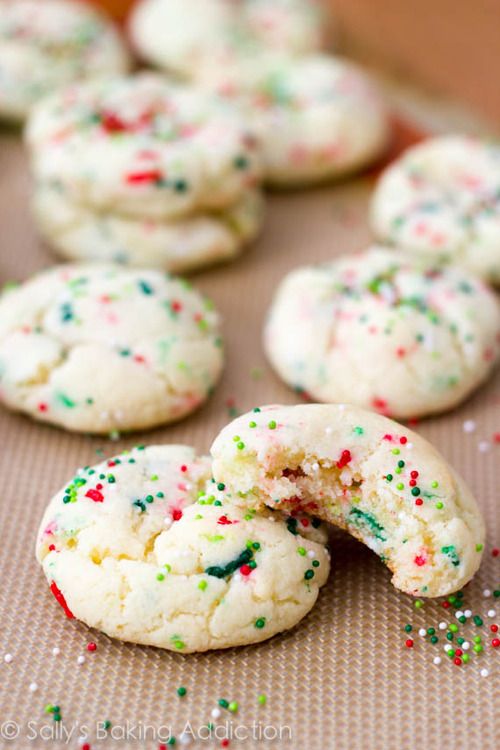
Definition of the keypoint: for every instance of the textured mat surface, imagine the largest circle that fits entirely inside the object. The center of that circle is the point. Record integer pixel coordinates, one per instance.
(342, 679)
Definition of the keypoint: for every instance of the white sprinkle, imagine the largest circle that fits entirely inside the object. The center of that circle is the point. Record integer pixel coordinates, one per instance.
(465, 646)
(8, 658)
(467, 613)
(486, 593)
(311, 553)
(469, 425)
(484, 673)
(168, 521)
(459, 613)
(315, 467)
(81, 660)
(33, 687)
(484, 446)
(341, 407)
(422, 632)
(328, 430)
(185, 739)
(448, 647)
(437, 660)
(442, 626)
(56, 651)
(215, 713)
(491, 613)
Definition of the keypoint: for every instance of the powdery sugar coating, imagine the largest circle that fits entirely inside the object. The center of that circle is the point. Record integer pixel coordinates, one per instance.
(365, 473)
(44, 45)
(143, 147)
(97, 348)
(441, 199)
(385, 332)
(137, 548)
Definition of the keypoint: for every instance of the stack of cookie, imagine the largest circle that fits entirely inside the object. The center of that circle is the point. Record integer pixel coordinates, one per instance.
(144, 172)
(48, 44)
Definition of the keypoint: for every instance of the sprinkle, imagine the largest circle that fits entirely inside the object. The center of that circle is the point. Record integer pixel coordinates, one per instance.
(233, 707)
(437, 660)
(215, 713)
(8, 658)
(469, 425)
(181, 691)
(223, 703)
(262, 699)
(202, 585)
(272, 425)
(33, 687)
(260, 622)
(409, 643)
(80, 660)
(91, 646)
(484, 673)
(56, 651)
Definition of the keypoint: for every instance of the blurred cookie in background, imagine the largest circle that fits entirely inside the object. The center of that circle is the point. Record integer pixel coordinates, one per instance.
(44, 45)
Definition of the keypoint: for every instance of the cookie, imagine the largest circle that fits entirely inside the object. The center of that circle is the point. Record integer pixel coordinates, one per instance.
(441, 200)
(45, 45)
(97, 348)
(318, 117)
(147, 549)
(381, 482)
(143, 147)
(182, 36)
(385, 332)
(78, 233)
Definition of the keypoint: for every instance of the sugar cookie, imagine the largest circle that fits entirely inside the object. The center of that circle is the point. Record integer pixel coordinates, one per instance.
(385, 332)
(139, 548)
(97, 348)
(45, 45)
(441, 199)
(365, 473)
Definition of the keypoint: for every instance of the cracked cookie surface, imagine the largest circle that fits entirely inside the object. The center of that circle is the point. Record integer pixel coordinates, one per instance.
(148, 549)
(384, 332)
(97, 348)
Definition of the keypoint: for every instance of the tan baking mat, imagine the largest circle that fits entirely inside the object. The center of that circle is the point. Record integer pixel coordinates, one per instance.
(343, 678)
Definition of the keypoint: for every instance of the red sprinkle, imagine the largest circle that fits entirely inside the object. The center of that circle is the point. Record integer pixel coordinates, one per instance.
(403, 440)
(91, 646)
(43, 407)
(457, 661)
(143, 178)
(409, 643)
(495, 552)
(184, 469)
(224, 521)
(112, 123)
(62, 601)
(52, 547)
(414, 474)
(420, 560)
(495, 642)
(493, 628)
(419, 501)
(95, 495)
(345, 458)
(176, 514)
(245, 570)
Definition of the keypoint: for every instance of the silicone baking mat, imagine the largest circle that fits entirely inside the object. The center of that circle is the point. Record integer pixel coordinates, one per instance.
(344, 677)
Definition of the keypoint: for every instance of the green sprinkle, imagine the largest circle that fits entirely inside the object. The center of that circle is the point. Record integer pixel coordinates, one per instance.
(233, 707)
(434, 484)
(252, 424)
(453, 627)
(477, 621)
(309, 574)
(301, 551)
(181, 692)
(439, 505)
(160, 577)
(479, 547)
(389, 477)
(419, 604)
(240, 445)
(315, 563)
(260, 622)
(272, 424)
(396, 451)
(221, 486)
(415, 491)
(179, 644)
(262, 699)
(400, 486)
(223, 703)
(202, 585)
(408, 628)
